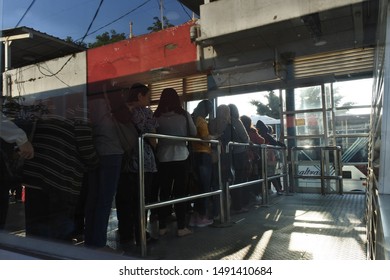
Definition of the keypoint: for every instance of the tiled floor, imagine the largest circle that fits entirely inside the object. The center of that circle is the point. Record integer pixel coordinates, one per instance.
(296, 227)
(291, 227)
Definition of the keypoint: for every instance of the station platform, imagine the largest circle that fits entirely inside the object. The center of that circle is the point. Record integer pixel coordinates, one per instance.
(292, 227)
(299, 226)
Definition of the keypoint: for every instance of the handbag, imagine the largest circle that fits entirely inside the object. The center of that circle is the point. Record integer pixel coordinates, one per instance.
(127, 135)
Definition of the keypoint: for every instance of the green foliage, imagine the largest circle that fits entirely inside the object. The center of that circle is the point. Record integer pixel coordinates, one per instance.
(69, 39)
(107, 38)
(157, 25)
(310, 98)
(112, 36)
(271, 109)
(13, 108)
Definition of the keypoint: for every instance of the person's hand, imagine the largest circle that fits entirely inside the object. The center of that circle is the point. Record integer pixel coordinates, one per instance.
(26, 150)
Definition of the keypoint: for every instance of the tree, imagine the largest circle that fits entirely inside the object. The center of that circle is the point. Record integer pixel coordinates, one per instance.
(157, 25)
(271, 109)
(101, 40)
(107, 38)
(69, 39)
(309, 98)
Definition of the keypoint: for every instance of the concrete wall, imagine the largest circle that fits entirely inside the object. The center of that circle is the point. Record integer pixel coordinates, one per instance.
(59, 83)
(226, 16)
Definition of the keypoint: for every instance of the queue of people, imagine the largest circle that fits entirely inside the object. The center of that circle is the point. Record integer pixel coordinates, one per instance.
(80, 201)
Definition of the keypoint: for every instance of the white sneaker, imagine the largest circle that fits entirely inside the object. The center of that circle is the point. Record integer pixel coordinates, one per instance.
(183, 232)
(204, 222)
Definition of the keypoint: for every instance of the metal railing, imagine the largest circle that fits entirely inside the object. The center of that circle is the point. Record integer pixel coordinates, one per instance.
(263, 177)
(143, 207)
(222, 191)
(324, 158)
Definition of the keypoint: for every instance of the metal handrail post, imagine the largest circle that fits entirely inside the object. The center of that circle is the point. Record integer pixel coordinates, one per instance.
(292, 160)
(340, 170)
(226, 190)
(141, 170)
(322, 164)
(222, 198)
(264, 175)
(286, 186)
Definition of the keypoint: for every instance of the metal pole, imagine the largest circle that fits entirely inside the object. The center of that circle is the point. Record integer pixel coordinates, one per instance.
(264, 175)
(322, 171)
(340, 170)
(142, 195)
(162, 14)
(227, 189)
(222, 201)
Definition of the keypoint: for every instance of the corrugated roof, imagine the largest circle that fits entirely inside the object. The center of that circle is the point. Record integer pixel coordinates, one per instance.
(40, 47)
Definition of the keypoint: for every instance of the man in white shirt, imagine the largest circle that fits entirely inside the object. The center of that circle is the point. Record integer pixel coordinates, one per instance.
(11, 133)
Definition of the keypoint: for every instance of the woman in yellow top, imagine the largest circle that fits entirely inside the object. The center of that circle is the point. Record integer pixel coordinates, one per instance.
(202, 163)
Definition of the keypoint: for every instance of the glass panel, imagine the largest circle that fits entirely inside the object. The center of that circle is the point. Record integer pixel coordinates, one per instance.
(354, 149)
(308, 98)
(312, 141)
(353, 93)
(309, 123)
(350, 124)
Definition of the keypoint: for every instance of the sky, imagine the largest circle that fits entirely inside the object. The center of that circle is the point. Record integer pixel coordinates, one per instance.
(242, 101)
(63, 18)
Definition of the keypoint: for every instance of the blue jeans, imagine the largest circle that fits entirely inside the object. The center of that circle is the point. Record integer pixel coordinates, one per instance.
(203, 167)
(103, 182)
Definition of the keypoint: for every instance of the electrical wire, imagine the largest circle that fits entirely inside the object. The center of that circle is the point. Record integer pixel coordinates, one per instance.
(119, 18)
(25, 13)
(85, 35)
(93, 19)
(182, 6)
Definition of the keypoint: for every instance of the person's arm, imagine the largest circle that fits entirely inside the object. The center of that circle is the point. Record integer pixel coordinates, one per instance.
(11, 133)
(26, 150)
(191, 126)
(242, 134)
(256, 138)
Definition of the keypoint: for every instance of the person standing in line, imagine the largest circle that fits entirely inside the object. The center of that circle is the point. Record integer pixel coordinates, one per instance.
(266, 133)
(172, 156)
(127, 197)
(102, 181)
(202, 162)
(221, 127)
(240, 157)
(53, 178)
(11, 133)
(254, 156)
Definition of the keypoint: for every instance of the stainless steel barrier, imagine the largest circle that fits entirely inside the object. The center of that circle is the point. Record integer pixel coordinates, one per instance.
(323, 151)
(264, 178)
(221, 192)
